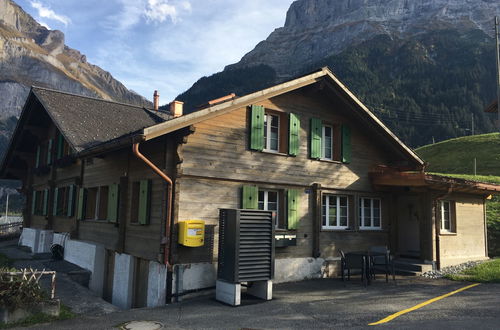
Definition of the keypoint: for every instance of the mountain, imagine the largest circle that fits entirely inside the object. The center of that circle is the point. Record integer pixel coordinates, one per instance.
(30, 54)
(424, 67)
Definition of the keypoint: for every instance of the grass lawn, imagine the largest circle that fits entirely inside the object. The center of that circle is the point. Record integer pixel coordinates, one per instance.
(488, 272)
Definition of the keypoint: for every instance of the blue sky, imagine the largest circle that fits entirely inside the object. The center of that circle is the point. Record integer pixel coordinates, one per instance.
(160, 44)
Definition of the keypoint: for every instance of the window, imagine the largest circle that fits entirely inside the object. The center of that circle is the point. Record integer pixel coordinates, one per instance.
(274, 131)
(40, 202)
(268, 201)
(447, 216)
(44, 154)
(96, 204)
(141, 202)
(271, 132)
(64, 201)
(330, 142)
(335, 212)
(284, 204)
(369, 213)
(327, 143)
(63, 148)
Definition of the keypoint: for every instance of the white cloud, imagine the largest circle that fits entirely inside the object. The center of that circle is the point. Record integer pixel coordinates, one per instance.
(45, 12)
(45, 25)
(161, 10)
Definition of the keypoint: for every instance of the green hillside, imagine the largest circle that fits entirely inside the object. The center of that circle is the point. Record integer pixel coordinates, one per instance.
(456, 156)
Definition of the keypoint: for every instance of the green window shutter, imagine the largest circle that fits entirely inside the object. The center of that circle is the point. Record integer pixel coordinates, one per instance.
(45, 201)
(37, 161)
(316, 133)
(346, 144)
(33, 203)
(113, 203)
(71, 200)
(293, 138)
(60, 146)
(257, 128)
(49, 152)
(144, 197)
(292, 208)
(82, 196)
(250, 197)
(56, 196)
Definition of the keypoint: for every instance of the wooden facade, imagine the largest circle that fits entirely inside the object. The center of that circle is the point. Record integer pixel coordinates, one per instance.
(342, 200)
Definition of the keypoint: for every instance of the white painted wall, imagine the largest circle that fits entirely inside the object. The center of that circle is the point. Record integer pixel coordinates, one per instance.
(29, 237)
(90, 256)
(123, 279)
(37, 239)
(157, 279)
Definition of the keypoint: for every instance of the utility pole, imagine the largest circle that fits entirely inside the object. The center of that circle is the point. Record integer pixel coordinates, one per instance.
(472, 124)
(7, 209)
(498, 68)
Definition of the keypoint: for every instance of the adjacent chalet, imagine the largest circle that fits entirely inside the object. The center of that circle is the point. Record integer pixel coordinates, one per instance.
(110, 182)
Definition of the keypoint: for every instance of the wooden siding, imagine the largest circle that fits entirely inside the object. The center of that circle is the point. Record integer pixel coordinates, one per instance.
(217, 162)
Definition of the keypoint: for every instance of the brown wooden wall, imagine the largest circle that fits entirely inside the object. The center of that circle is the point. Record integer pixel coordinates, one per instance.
(217, 162)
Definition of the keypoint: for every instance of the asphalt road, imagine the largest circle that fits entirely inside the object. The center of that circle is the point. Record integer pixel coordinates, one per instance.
(322, 304)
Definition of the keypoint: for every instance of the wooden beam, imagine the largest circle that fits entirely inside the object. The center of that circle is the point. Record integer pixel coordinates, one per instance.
(217, 110)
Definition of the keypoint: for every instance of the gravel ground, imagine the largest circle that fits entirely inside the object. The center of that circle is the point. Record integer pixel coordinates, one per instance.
(452, 269)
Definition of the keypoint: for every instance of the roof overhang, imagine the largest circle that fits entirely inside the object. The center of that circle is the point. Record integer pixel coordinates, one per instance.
(388, 177)
(237, 103)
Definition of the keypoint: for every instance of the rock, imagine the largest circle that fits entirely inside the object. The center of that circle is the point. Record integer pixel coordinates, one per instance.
(451, 270)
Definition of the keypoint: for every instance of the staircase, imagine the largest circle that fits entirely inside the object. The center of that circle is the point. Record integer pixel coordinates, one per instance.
(407, 266)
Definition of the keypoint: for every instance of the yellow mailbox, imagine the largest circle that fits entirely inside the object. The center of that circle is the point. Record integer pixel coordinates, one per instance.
(192, 233)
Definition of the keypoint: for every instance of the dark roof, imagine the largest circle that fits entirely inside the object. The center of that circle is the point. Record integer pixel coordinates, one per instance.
(88, 122)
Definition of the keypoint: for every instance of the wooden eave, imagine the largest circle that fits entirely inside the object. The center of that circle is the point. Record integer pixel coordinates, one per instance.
(431, 181)
(237, 103)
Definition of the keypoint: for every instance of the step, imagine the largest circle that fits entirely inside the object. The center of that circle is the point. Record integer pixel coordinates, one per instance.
(413, 266)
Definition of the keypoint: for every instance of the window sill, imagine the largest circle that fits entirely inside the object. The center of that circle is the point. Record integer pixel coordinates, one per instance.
(349, 230)
(97, 221)
(373, 230)
(447, 233)
(330, 161)
(275, 153)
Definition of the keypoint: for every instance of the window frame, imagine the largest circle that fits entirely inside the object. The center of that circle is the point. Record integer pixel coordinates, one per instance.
(323, 144)
(96, 203)
(267, 132)
(325, 212)
(278, 224)
(451, 217)
(361, 215)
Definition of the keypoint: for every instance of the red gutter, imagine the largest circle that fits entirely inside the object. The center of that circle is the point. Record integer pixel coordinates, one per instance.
(166, 259)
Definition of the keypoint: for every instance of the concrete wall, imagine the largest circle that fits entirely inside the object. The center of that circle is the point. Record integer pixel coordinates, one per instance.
(38, 240)
(157, 279)
(123, 280)
(468, 242)
(89, 256)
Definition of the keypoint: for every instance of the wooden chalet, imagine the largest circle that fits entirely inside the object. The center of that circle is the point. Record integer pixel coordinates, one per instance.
(111, 182)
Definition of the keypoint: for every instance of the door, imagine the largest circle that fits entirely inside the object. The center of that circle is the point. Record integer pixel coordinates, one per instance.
(409, 219)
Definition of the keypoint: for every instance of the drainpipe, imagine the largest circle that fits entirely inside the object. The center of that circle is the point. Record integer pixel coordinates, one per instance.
(168, 222)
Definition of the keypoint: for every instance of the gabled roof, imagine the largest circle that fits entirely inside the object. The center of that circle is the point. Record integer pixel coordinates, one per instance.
(323, 74)
(87, 122)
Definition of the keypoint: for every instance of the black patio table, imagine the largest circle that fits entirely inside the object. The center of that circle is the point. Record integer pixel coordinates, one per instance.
(368, 256)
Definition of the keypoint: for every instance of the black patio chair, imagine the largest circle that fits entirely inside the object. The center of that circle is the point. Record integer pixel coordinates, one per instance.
(349, 263)
(384, 264)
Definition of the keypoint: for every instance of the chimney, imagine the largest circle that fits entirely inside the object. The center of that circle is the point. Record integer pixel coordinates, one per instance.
(176, 108)
(156, 100)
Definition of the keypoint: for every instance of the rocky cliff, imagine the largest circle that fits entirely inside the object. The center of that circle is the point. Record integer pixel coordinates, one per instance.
(425, 67)
(30, 55)
(315, 29)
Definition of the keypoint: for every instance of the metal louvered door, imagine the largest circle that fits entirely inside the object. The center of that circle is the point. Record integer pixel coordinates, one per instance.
(246, 245)
(256, 250)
